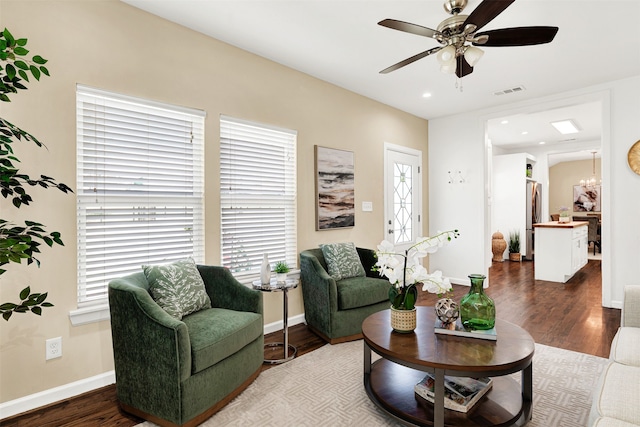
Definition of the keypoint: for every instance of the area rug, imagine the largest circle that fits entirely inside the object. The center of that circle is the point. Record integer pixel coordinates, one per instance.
(325, 388)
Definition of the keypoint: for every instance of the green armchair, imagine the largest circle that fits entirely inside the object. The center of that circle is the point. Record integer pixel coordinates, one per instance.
(180, 372)
(335, 310)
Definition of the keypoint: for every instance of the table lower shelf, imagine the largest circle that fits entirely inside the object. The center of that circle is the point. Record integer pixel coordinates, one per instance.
(274, 353)
(390, 386)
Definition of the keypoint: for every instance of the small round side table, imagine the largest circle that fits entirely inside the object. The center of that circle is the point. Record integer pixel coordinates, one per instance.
(275, 286)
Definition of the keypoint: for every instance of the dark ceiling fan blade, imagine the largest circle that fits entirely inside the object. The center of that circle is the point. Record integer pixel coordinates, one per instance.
(486, 11)
(518, 36)
(408, 61)
(408, 27)
(462, 67)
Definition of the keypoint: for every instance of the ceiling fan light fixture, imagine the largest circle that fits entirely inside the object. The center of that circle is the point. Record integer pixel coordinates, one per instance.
(448, 68)
(473, 54)
(447, 56)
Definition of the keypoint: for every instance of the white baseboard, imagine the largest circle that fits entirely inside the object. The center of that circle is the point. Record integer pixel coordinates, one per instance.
(33, 401)
(276, 326)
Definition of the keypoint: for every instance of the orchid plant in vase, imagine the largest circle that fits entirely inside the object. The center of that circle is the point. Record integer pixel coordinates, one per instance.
(404, 270)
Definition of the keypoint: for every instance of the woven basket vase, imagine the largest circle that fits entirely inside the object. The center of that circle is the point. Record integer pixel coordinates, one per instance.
(403, 321)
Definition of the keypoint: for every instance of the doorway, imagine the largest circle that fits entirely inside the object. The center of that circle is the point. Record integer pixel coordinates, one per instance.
(593, 123)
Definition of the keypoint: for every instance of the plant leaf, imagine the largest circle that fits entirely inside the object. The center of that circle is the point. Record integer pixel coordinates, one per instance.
(35, 71)
(25, 293)
(22, 65)
(39, 60)
(41, 297)
(7, 306)
(21, 51)
(9, 37)
(11, 71)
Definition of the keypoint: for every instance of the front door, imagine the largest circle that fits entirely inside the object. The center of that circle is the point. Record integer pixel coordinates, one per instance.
(403, 195)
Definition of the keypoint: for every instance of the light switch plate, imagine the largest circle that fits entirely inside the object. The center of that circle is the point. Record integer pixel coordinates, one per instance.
(367, 206)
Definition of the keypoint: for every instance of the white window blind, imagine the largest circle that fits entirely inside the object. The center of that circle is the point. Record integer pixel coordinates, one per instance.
(139, 187)
(258, 195)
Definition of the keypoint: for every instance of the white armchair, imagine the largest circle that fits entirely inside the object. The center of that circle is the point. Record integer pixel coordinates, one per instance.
(615, 399)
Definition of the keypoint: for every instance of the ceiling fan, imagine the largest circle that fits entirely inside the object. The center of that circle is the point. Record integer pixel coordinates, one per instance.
(458, 36)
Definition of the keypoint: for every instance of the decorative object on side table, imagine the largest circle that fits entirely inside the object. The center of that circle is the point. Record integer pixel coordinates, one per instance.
(477, 309)
(565, 216)
(514, 246)
(404, 271)
(281, 269)
(498, 245)
(265, 270)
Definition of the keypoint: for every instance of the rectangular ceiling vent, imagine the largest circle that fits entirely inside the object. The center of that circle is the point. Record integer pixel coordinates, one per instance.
(510, 90)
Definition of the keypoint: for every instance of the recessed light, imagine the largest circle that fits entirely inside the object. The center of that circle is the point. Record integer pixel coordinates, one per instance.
(504, 122)
(542, 142)
(426, 95)
(566, 127)
(524, 132)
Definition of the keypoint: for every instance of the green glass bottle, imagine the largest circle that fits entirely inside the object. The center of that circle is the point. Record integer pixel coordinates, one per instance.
(477, 310)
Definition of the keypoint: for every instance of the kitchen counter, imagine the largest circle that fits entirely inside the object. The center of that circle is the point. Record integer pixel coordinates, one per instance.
(556, 224)
(561, 250)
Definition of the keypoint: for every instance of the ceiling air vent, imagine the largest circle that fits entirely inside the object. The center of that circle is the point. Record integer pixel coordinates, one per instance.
(510, 90)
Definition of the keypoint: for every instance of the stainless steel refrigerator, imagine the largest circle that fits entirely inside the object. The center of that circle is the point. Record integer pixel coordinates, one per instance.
(534, 215)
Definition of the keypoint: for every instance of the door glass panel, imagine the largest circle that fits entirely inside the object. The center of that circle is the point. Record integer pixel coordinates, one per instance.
(402, 203)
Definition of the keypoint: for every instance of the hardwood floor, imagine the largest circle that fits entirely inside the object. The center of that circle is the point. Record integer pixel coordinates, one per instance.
(566, 315)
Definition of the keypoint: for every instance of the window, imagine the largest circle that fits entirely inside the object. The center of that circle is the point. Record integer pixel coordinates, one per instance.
(139, 187)
(258, 195)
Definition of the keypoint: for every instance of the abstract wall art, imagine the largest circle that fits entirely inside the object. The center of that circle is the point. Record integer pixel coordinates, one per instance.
(335, 188)
(586, 198)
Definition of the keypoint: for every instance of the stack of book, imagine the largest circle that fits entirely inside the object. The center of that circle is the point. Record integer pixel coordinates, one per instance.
(459, 330)
(460, 393)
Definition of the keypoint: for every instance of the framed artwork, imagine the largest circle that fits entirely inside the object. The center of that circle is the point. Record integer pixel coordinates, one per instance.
(335, 188)
(586, 199)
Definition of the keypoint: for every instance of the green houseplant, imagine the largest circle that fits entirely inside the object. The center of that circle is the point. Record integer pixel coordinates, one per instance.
(20, 242)
(514, 246)
(281, 269)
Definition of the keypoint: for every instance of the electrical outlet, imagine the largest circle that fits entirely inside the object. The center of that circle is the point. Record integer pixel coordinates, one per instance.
(53, 348)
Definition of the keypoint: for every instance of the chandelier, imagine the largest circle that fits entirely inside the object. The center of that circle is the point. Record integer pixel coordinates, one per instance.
(590, 182)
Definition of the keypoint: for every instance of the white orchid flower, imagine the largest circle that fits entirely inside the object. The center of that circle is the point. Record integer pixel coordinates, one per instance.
(405, 269)
(436, 284)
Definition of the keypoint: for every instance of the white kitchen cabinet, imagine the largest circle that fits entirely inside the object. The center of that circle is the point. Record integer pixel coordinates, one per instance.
(561, 250)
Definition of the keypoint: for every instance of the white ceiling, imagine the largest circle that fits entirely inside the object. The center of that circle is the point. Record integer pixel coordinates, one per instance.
(339, 41)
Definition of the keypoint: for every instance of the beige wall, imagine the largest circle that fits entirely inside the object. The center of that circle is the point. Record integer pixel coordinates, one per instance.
(562, 177)
(112, 46)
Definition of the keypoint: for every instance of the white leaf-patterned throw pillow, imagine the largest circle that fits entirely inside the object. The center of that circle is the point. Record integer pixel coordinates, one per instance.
(342, 260)
(177, 287)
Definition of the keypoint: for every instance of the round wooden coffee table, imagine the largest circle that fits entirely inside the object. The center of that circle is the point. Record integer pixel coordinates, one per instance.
(406, 357)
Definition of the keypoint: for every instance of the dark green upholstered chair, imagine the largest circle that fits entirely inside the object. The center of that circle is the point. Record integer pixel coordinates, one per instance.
(335, 310)
(180, 372)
